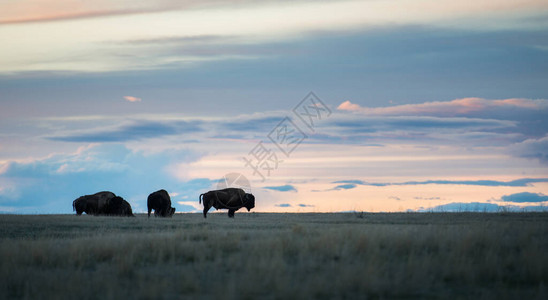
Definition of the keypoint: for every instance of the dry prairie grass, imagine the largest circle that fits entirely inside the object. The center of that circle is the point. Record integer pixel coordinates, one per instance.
(275, 256)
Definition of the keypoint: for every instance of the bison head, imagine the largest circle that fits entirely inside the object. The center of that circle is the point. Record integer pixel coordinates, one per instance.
(249, 201)
(171, 211)
(79, 205)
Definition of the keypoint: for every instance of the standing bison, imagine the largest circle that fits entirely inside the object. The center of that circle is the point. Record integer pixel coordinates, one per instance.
(230, 198)
(102, 203)
(161, 203)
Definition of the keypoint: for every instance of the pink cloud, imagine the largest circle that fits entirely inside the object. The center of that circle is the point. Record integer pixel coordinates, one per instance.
(347, 105)
(132, 99)
(32, 11)
(447, 108)
(524, 103)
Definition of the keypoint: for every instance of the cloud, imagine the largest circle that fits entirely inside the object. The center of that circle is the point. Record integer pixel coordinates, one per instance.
(465, 207)
(522, 182)
(344, 187)
(90, 52)
(482, 207)
(349, 106)
(260, 124)
(513, 120)
(337, 129)
(525, 197)
(411, 123)
(134, 131)
(283, 205)
(532, 148)
(132, 99)
(49, 185)
(427, 198)
(186, 208)
(305, 205)
(360, 182)
(189, 206)
(382, 130)
(282, 188)
(61, 10)
(192, 39)
(454, 108)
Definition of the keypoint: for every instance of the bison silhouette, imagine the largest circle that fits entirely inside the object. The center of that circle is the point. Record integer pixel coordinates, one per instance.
(161, 203)
(229, 198)
(95, 204)
(102, 203)
(117, 206)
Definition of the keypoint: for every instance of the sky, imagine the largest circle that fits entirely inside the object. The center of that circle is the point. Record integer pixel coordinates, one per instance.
(322, 106)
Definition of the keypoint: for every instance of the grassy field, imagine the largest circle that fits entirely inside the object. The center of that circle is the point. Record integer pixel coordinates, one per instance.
(276, 256)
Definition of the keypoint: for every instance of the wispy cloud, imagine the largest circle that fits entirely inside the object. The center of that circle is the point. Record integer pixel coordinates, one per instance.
(525, 197)
(54, 16)
(463, 121)
(532, 148)
(60, 10)
(286, 205)
(514, 183)
(454, 108)
(411, 123)
(481, 207)
(465, 207)
(134, 131)
(282, 188)
(114, 21)
(348, 186)
(132, 99)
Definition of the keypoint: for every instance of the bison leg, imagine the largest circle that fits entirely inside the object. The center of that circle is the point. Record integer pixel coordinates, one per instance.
(149, 210)
(206, 209)
(231, 213)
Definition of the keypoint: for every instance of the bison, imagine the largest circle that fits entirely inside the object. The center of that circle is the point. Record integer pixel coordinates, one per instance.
(161, 203)
(229, 198)
(92, 204)
(117, 206)
(102, 203)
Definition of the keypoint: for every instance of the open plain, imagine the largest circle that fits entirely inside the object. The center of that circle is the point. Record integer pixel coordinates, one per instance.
(275, 256)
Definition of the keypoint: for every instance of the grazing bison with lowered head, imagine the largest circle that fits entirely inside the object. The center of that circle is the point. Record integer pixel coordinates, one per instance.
(92, 204)
(161, 203)
(229, 198)
(102, 203)
(117, 206)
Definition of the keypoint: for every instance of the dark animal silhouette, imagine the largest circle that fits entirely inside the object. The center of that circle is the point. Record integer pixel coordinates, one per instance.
(230, 198)
(92, 204)
(161, 203)
(117, 206)
(102, 203)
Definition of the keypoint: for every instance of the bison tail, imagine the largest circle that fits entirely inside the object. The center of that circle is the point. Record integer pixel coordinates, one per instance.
(201, 196)
(73, 206)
